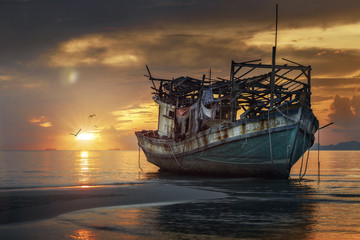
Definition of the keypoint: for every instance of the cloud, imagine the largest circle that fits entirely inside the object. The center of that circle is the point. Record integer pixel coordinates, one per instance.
(41, 121)
(345, 112)
(325, 89)
(55, 21)
(118, 139)
(136, 118)
(94, 50)
(80, 60)
(5, 78)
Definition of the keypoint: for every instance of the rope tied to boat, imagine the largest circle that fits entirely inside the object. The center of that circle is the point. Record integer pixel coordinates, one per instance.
(287, 134)
(269, 129)
(319, 147)
(301, 176)
(270, 144)
(178, 162)
(172, 151)
(284, 115)
(139, 160)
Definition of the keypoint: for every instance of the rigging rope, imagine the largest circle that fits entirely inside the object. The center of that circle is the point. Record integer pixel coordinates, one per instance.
(285, 116)
(270, 145)
(287, 133)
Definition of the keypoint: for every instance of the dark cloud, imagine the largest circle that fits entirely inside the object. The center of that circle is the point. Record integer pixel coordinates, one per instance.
(30, 27)
(329, 82)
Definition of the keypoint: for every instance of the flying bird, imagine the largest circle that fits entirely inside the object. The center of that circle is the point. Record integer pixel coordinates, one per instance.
(92, 115)
(75, 134)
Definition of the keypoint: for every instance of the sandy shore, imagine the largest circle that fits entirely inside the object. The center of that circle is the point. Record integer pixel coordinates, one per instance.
(31, 205)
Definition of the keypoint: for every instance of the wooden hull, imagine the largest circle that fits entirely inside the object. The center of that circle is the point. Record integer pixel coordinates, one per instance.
(257, 148)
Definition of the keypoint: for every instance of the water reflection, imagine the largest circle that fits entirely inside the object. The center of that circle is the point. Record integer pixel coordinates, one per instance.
(84, 168)
(84, 154)
(254, 209)
(83, 234)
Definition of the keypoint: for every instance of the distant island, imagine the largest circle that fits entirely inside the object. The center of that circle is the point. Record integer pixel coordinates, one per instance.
(349, 146)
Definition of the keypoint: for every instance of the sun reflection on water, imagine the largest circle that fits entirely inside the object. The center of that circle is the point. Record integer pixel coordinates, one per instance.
(84, 168)
(84, 154)
(83, 234)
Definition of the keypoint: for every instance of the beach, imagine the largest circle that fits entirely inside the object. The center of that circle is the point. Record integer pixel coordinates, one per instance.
(23, 206)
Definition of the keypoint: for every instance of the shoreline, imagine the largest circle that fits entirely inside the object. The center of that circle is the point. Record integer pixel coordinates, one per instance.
(40, 204)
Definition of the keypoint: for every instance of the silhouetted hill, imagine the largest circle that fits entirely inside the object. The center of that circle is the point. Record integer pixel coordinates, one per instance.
(353, 145)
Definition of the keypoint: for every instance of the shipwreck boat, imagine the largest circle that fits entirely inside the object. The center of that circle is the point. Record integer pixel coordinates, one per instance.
(250, 125)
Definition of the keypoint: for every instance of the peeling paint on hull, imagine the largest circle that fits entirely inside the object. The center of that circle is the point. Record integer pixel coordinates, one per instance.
(259, 148)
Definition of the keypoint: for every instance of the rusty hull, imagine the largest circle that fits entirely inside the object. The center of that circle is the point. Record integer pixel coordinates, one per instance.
(258, 147)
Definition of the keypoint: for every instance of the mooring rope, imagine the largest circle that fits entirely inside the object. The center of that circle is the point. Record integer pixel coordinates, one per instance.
(139, 160)
(178, 162)
(308, 150)
(287, 133)
(302, 157)
(318, 154)
(270, 144)
(243, 145)
(172, 151)
(307, 160)
(319, 146)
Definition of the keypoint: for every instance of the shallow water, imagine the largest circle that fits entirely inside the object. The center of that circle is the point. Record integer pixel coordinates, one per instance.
(318, 207)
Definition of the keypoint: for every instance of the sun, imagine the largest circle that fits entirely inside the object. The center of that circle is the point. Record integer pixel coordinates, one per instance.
(86, 136)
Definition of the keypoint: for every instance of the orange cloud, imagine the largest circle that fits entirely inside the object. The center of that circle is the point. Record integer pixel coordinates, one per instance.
(333, 37)
(40, 121)
(95, 49)
(5, 78)
(139, 117)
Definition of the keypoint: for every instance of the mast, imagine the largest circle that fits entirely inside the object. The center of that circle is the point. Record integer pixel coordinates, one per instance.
(273, 63)
(232, 95)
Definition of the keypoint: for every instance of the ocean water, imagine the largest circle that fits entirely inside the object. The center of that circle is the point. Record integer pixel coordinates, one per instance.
(325, 204)
(34, 169)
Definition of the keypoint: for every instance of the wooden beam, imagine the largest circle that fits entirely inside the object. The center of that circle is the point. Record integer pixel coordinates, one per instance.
(276, 66)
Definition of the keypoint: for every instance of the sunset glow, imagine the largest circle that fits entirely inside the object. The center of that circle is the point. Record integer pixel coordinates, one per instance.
(86, 136)
(51, 85)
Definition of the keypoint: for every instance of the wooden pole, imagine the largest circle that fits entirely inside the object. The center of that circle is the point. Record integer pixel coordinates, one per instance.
(232, 94)
(272, 78)
(319, 154)
(319, 146)
(276, 26)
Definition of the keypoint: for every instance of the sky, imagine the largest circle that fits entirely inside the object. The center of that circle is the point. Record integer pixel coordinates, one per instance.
(61, 61)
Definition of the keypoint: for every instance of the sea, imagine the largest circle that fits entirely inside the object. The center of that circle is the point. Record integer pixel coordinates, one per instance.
(321, 200)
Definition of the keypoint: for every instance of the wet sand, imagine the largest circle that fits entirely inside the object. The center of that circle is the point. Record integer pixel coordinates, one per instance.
(17, 206)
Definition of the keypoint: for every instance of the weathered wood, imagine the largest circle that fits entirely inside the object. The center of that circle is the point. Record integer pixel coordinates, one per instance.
(239, 92)
(276, 66)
